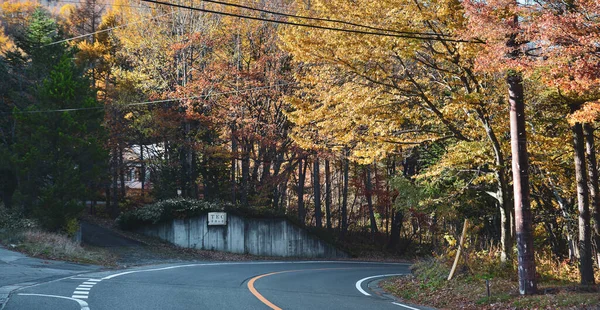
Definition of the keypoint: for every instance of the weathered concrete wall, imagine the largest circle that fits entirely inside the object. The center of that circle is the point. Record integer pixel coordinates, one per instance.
(265, 237)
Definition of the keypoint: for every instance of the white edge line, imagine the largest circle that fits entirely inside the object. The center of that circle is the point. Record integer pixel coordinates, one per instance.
(405, 306)
(82, 304)
(359, 282)
(246, 263)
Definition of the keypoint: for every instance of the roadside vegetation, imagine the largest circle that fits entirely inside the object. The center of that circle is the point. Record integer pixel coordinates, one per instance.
(386, 133)
(558, 284)
(26, 236)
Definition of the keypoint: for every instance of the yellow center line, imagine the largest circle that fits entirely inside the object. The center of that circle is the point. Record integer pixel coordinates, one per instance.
(266, 301)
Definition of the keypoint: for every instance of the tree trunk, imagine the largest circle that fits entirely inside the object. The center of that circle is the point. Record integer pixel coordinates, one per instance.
(369, 195)
(344, 206)
(277, 191)
(317, 192)
(501, 195)
(301, 178)
(594, 194)
(108, 204)
(573, 252)
(520, 167)
(245, 173)
(233, 164)
(397, 220)
(142, 169)
(266, 167)
(122, 173)
(328, 194)
(586, 268)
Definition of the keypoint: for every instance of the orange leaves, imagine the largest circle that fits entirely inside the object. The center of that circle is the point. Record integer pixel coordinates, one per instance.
(6, 43)
(588, 113)
(555, 42)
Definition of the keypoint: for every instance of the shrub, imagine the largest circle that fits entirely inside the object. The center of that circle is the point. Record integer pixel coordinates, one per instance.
(167, 210)
(11, 220)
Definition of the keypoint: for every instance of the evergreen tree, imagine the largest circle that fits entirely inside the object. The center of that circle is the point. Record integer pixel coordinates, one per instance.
(58, 154)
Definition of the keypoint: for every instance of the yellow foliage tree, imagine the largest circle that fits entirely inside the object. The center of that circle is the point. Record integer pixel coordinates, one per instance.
(376, 93)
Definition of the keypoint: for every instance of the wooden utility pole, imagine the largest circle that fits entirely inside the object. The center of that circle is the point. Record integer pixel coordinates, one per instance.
(520, 167)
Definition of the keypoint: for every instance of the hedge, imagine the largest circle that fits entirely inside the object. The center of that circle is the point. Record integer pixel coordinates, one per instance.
(181, 208)
(165, 211)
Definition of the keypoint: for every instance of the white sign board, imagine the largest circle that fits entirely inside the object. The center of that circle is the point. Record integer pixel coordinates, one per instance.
(217, 218)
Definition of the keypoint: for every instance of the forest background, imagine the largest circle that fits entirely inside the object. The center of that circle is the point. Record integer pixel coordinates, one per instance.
(382, 124)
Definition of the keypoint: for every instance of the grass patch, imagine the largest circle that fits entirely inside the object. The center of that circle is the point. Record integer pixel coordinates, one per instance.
(24, 235)
(428, 286)
(47, 245)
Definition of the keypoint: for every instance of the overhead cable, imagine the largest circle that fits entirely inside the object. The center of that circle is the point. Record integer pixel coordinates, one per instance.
(396, 35)
(103, 30)
(320, 19)
(153, 101)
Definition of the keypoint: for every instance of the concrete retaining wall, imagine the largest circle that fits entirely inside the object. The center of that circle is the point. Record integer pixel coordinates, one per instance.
(265, 237)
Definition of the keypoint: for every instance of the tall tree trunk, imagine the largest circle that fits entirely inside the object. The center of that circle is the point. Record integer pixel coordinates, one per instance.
(257, 162)
(108, 203)
(344, 206)
(594, 194)
(520, 167)
(501, 195)
(245, 173)
(302, 165)
(573, 251)
(266, 166)
(233, 164)
(277, 191)
(195, 191)
(122, 173)
(586, 268)
(549, 224)
(369, 195)
(397, 220)
(328, 194)
(142, 169)
(317, 192)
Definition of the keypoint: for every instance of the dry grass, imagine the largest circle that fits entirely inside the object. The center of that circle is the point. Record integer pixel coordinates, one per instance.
(557, 286)
(55, 246)
(460, 294)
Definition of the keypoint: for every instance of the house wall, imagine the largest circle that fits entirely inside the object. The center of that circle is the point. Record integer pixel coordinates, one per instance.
(264, 237)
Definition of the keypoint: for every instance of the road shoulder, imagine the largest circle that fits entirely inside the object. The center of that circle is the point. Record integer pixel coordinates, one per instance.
(18, 271)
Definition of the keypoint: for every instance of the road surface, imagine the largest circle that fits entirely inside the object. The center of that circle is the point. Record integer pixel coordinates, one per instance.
(219, 285)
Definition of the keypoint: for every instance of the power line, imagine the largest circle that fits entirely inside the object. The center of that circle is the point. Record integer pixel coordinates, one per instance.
(320, 19)
(405, 36)
(154, 101)
(104, 30)
(104, 3)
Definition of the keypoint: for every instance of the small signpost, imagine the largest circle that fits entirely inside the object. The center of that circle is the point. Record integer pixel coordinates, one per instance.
(217, 218)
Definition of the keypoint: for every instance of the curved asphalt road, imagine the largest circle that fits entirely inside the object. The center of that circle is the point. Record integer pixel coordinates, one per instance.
(243, 285)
